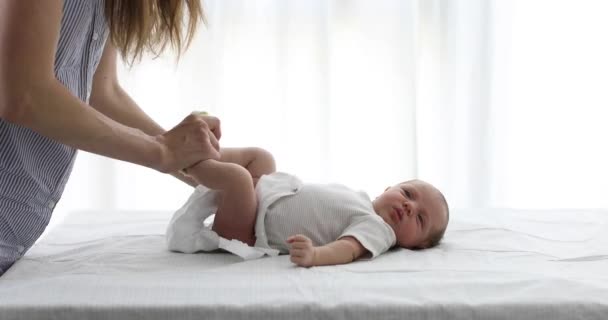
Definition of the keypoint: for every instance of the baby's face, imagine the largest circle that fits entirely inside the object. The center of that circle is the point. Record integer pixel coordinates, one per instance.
(414, 209)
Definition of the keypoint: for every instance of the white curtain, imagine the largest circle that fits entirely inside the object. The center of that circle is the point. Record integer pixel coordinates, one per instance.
(517, 103)
(497, 103)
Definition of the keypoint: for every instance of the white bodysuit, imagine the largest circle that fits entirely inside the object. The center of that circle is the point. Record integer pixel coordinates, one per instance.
(286, 206)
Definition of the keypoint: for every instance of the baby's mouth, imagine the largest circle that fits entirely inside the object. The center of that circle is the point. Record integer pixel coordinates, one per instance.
(398, 214)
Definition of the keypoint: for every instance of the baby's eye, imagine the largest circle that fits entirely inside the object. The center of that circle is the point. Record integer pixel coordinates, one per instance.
(406, 193)
(420, 220)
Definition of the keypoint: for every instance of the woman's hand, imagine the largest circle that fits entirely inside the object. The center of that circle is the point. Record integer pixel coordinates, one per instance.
(193, 140)
(214, 127)
(302, 251)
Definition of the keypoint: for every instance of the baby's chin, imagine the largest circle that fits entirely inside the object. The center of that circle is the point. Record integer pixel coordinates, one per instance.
(410, 246)
(386, 218)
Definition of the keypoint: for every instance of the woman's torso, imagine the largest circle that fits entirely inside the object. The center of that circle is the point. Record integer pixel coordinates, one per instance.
(34, 169)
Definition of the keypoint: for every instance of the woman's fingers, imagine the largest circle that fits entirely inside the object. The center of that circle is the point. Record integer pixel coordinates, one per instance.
(203, 137)
(214, 142)
(190, 142)
(211, 124)
(214, 126)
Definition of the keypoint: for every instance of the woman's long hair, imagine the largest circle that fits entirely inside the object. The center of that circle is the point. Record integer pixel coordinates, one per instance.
(137, 26)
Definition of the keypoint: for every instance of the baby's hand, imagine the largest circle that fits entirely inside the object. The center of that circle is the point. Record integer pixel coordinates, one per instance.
(302, 251)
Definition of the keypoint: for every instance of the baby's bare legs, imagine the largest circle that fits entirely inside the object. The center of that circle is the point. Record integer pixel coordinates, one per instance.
(235, 175)
(256, 160)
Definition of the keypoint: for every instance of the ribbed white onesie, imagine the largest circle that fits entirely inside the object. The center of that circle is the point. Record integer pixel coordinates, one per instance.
(322, 212)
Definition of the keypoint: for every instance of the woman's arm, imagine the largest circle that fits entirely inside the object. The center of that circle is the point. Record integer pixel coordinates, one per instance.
(341, 251)
(109, 98)
(31, 96)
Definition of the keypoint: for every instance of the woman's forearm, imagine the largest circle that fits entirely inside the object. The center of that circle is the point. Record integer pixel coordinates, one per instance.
(116, 104)
(48, 108)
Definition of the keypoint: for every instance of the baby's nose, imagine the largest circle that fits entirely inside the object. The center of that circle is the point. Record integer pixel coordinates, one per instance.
(407, 208)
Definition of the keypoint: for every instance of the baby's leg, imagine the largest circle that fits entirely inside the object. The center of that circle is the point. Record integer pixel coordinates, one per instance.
(256, 160)
(235, 175)
(237, 207)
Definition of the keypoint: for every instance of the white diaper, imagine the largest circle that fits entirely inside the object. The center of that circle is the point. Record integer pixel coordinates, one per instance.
(187, 232)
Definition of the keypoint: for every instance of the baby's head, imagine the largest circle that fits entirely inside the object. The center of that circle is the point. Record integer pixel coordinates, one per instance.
(417, 212)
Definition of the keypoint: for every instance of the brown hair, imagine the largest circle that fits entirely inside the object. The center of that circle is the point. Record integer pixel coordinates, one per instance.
(150, 25)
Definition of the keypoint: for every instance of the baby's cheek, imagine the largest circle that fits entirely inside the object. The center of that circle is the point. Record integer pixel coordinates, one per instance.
(394, 197)
(406, 234)
(402, 236)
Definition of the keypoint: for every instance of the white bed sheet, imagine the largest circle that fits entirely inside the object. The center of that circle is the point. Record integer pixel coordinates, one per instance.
(493, 264)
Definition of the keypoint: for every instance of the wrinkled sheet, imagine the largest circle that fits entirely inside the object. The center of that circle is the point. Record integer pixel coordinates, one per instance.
(492, 264)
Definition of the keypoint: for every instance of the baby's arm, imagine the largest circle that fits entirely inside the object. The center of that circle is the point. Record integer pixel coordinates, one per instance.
(344, 250)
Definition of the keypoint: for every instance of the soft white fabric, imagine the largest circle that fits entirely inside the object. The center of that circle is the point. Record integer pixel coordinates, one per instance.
(189, 233)
(493, 264)
(322, 212)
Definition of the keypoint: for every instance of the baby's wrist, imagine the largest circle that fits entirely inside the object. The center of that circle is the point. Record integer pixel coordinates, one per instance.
(315, 256)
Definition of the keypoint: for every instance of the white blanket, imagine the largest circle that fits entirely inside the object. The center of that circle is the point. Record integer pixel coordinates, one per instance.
(493, 264)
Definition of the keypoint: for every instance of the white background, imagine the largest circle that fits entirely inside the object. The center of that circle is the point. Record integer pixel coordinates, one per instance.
(497, 103)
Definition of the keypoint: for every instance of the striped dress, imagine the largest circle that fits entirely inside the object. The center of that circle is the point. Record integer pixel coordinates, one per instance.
(34, 169)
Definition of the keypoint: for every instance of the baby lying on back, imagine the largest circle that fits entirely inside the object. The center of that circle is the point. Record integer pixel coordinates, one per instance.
(317, 224)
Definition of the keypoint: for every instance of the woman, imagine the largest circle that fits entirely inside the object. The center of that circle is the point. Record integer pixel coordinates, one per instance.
(59, 93)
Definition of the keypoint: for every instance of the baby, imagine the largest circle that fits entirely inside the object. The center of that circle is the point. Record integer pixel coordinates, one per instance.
(317, 224)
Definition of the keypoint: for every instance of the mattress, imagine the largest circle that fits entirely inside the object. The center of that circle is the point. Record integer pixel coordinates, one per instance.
(492, 264)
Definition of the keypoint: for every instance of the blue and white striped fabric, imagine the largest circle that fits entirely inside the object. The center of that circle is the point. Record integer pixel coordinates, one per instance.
(34, 169)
